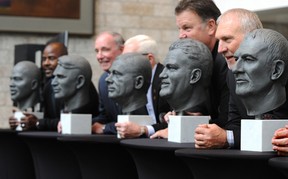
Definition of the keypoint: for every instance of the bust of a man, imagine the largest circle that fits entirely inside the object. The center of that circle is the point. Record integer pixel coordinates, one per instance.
(261, 71)
(129, 80)
(186, 77)
(71, 82)
(25, 85)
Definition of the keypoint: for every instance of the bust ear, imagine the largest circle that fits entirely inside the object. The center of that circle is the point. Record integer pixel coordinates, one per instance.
(34, 85)
(80, 81)
(278, 67)
(195, 75)
(139, 82)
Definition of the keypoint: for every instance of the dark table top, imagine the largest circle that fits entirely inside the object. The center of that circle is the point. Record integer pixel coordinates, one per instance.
(279, 162)
(155, 144)
(93, 138)
(224, 154)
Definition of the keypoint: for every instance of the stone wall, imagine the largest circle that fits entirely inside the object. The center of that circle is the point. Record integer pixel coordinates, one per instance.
(128, 17)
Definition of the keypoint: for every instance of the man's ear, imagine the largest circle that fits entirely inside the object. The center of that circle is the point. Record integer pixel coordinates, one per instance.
(80, 81)
(278, 67)
(195, 75)
(212, 26)
(139, 82)
(34, 85)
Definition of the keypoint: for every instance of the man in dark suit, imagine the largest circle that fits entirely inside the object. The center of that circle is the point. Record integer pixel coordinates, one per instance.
(232, 27)
(197, 20)
(156, 105)
(108, 45)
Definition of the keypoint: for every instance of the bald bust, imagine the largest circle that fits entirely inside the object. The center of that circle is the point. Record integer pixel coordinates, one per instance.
(71, 82)
(261, 71)
(129, 80)
(25, 85)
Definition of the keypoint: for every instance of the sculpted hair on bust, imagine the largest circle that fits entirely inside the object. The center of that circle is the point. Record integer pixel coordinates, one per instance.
(277, 47)
(76, 62)
(197, 52)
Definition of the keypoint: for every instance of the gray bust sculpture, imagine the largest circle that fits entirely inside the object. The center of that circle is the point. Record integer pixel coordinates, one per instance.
(25, 85)
(71, 82)
(187, 75)
(129, 80)
(261, 71)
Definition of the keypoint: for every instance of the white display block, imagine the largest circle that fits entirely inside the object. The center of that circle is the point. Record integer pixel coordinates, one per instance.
(18, 115)
(76, 123)
(142, 120)
(256, 135)
(181, 128)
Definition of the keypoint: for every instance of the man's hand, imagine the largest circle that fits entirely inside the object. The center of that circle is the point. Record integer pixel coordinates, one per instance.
(280, 141)
(160, 134)
(130, 129)
(97, 128)
(210, 136)
(29, 121)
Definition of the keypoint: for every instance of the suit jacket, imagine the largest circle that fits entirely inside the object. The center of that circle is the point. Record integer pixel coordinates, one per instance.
(108, 109)
(219, 91)
(160, 105)
(53, 107)
(237, 111)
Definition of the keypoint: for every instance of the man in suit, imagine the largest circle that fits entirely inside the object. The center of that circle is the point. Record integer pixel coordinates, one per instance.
(197, 20)
(108, 45)
(156, 105)
(232, 27)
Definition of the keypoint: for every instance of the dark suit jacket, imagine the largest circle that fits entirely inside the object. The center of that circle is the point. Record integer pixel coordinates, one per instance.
(160, 105)
(219, 91)
(108, 109)
(237, 111)
(53, 107)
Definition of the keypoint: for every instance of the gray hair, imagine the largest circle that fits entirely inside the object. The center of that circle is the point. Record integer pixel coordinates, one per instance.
(249, 20)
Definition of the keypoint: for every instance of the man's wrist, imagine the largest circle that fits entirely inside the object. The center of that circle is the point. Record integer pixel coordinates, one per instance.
(103, 128)
(142, 130)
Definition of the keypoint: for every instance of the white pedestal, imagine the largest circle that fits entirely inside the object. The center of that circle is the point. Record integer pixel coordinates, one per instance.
(142, 120)
(76, 123)
(18, 115)
(181, 128)
(256, 135)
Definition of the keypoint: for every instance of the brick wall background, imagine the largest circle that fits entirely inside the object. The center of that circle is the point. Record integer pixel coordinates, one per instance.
(128, 17)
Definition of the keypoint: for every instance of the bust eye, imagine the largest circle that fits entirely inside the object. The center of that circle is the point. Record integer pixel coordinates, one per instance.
(171, 67)
(249, 58)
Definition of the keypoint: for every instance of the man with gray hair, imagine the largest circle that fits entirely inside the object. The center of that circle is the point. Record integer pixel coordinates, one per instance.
(232, 27)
